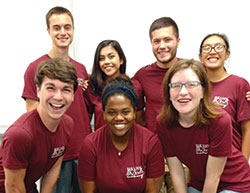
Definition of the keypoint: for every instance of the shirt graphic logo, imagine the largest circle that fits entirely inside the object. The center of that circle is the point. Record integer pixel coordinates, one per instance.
(58, 151)
(135, 172)
(202, 148)
(222, 101)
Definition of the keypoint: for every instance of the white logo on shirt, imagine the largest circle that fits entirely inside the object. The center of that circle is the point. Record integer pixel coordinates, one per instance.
(135, 172)
(202, 148)
(222, 101)
(58, 151)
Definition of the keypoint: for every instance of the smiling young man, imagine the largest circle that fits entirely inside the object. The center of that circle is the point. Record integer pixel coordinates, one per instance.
(34, 145)
(60, 27)
(164, 37)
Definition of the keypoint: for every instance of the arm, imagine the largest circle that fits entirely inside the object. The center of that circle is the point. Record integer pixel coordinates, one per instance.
(153, 185)
(214, 169)
(245, 146)
(87, 186)
(177, 174)
(14, 181)
(31, 104)
(50, 178)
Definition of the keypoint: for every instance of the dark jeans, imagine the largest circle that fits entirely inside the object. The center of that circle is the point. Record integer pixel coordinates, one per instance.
(68, 181)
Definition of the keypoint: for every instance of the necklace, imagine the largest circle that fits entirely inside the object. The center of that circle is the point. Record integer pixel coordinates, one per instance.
(119, 153)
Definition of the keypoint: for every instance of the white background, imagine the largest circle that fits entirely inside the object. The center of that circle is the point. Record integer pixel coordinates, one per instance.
(24, 37)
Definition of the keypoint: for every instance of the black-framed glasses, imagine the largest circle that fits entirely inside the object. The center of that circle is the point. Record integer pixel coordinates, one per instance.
(218, 48)
(177, 86)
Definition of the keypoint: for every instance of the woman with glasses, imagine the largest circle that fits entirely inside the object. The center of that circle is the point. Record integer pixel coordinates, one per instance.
(196, 132)
(228, 90)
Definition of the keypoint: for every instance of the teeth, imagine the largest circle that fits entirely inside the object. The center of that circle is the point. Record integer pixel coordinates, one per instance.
(119, 126)
(213, 59)
(184, 100)
(56, 105)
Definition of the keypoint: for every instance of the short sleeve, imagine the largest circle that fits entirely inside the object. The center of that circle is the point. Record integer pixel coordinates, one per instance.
(16, 147)
(220, 136)
(155, 161)
(87, 161)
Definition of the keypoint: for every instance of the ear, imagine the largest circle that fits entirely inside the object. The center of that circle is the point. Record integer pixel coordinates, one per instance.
(178, 42)
(121, 62)
(37, 92)
(227, 54)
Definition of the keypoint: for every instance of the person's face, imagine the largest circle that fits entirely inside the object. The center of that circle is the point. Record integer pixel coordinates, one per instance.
(55, 97)
(214, 60)
(119, 115)
(186, 100)
(164, 44)
(110, 61)
(61, 30)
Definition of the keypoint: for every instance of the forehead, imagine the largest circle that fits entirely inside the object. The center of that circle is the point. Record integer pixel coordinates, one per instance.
(118, 101)
(163, 32)
(55, 82)
(185, 75)
(107, 50)
(214, 40)
(60, 19)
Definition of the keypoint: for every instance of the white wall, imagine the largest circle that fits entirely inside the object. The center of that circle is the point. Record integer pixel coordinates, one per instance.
(24, 36)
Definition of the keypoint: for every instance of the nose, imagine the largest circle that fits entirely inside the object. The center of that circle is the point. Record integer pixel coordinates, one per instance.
(106, 61)
(183, 90)
(162, 44)
(58, 95)
(119, 117)
(62, 30)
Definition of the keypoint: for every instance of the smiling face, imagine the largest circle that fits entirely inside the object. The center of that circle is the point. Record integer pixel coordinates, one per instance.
(110, 62)
(119, 115)
(164, 45)
(55, 97)
(214, 60)
(186, 100)
(61, 30)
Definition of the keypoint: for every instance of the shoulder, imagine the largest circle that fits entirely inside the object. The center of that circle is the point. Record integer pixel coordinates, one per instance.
(237, 80)
(33, 65)
(144, 134)
(144, 69)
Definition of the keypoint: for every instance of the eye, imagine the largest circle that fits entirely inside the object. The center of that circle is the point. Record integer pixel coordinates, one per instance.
(176, 85)
(101, 58)
(56, 28)
(67, 27)
(111, 113)
(156, 41)
(206, 48)
(49, 88)
(126, 112)
(111, 56)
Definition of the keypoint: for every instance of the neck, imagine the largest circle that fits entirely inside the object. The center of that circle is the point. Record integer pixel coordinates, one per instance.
(120, 143)
(167, 64)
(186, 120)
(50, 124)
(62, 53)
(217, 75)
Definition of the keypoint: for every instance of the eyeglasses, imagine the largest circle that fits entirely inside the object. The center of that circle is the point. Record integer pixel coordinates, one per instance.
(218, 48)
(177, 86)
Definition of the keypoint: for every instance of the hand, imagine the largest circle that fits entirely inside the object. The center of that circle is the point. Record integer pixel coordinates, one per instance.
(248, 96)
(86, 84)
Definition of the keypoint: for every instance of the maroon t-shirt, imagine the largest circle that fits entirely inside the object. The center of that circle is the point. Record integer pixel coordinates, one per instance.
(126, 172)
(94, 106)
(193, 145)
(230, 95)
(77, 111)
(150, 78)
(29, 144)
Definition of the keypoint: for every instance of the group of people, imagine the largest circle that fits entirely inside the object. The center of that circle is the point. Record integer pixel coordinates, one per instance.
(177, 125)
